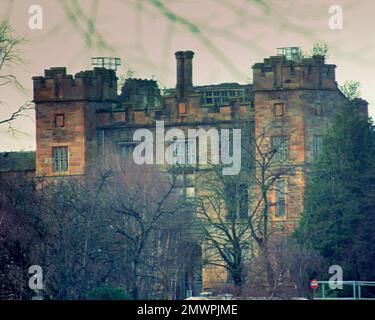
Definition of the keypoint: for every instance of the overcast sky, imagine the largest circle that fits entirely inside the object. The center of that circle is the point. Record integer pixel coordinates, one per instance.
(226, 36)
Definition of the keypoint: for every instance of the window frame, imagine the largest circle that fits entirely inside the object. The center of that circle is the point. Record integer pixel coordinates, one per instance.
(317, 146)
(243, 206)
(184, 181)
(183, 145)
(57, 115)
(279, 104)
(60, 161)
(283, 145)
(281, 199)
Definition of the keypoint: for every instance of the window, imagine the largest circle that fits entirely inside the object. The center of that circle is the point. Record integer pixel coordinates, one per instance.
(125, 150)
(318, 109)
(244, 201)
(191, 156)
(280, 147)
(317, 145)
(60, 159)
(190, 192)
(183, 152)
(59, 120)
(189, 179)
(178, 152)
(292, 70)
(280, 202)
(185, 185)
(278, 109)
(180, 192)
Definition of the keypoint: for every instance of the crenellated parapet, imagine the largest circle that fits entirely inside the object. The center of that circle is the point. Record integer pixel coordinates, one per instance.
(277, 72)
(57, 85)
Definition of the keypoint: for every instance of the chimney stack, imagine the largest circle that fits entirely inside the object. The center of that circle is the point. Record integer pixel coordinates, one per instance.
(188, 72)
(184, 84)
(180, 73)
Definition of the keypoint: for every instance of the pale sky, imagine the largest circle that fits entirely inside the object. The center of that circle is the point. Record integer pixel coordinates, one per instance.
(227, 36)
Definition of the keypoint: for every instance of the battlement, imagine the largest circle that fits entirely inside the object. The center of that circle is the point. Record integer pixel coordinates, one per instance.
(277, 72)
(56, 85)
(174, 113)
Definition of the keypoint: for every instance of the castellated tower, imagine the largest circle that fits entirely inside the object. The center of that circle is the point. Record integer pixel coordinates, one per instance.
(66, 118)
(295, 102)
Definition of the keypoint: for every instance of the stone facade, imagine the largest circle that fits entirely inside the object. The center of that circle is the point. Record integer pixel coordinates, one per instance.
(66, 116)
(84, 113)
(295, 100)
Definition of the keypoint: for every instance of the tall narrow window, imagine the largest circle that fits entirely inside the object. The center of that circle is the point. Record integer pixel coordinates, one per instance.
(317, 145)
(191, 155)
(280, 148)
(60, 159)
(244, 201)
(180, 151)
(280, 192)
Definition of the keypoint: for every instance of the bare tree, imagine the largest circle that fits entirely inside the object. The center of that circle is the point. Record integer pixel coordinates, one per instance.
(122, 228)
(222, 210)
(19, 233)
(72, 253)
(295, 266)
(234, 212)
(10, 57)
(146, 215)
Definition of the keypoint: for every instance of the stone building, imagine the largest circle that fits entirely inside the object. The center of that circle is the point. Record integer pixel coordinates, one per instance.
(81, 120)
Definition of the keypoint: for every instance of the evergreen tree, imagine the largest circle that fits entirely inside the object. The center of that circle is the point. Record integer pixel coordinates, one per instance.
(339, 201)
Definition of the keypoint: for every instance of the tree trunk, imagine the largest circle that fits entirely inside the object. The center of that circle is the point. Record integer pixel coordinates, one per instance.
(268, 266)
(134, 286)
